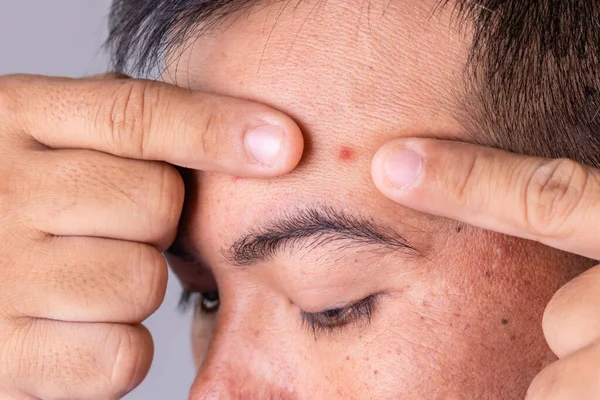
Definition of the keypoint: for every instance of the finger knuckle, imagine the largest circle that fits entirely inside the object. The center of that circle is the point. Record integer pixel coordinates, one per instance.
(213, 133)
(552, 196)
(130, 116)
(166, 204)
(128, 347)
(467, 184)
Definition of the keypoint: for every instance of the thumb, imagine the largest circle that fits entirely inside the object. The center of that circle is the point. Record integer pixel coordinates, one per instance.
(556, 202)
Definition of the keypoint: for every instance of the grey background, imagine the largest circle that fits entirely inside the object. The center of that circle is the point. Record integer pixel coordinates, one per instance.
(64, 37)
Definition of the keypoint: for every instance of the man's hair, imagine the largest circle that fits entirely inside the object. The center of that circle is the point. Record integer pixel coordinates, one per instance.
(532, 77)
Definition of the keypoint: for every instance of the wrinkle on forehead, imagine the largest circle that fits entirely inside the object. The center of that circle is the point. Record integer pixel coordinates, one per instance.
(399, 75)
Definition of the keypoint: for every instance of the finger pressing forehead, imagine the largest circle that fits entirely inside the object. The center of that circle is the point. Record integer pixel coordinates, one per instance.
(153, 121)
(556, 202)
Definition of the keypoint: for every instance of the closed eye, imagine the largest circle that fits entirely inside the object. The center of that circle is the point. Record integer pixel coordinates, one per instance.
(335, 319)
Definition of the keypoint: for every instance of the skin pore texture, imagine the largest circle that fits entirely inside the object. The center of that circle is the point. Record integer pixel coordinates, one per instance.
(456, 311)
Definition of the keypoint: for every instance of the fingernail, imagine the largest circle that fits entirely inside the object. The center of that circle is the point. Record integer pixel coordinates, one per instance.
(265, 144)
(403, 167)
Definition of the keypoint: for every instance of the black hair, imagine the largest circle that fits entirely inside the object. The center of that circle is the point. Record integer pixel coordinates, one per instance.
(142, 32)
(533, 77)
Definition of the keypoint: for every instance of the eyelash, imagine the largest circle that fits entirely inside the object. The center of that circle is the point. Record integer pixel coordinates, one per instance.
(327, 321)
(331, 320)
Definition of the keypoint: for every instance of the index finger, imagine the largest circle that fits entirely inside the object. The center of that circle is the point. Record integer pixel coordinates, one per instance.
(150, 120)
(556, 202)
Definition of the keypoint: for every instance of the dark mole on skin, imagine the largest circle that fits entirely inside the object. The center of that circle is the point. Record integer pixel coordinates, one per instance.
(346, 154)
(504, 322)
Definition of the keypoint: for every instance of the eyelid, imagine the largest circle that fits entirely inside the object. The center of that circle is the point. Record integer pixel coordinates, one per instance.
(338, 318)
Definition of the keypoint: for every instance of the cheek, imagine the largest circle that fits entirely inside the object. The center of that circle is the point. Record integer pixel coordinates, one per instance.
(483, 309)
(471, 325)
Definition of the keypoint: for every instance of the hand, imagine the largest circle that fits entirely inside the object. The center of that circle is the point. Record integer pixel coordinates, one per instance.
(87, 204)
(556, 202)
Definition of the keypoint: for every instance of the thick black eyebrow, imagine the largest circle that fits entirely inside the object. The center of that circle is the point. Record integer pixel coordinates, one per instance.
(314, 227)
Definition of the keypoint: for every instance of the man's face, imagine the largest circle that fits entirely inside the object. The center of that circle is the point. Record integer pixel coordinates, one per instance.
(328, 290)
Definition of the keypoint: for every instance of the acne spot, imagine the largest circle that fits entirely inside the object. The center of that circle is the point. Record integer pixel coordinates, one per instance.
(346, 154)
(513, 337)
(375, 372)
(505, 322)
(237, 179)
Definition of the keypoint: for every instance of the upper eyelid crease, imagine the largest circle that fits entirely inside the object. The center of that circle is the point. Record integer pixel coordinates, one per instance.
(360, 312)
(315, 227)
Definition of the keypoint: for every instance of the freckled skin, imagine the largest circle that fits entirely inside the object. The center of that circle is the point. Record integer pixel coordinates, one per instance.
(355, 77)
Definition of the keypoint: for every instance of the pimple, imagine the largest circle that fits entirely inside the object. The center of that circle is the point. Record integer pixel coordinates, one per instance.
(346, 154)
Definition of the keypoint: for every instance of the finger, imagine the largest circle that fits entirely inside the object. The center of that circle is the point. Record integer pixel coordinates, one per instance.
(154, 121)
(78, 279)
(14, 394)
(61, 360)
(574, 377)
(556, 202)
(572, 318)
(87, 193)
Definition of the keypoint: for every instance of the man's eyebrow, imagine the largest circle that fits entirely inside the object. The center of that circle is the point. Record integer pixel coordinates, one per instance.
(314, 227)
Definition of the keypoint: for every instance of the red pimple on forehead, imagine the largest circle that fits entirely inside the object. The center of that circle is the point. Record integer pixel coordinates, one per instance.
(346, 153)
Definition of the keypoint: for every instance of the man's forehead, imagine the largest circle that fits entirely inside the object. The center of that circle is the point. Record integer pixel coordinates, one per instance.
(350, 86)
(351, 74)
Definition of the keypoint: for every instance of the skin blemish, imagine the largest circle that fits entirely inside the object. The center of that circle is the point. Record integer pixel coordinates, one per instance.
(504, 322)
(346, 154)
